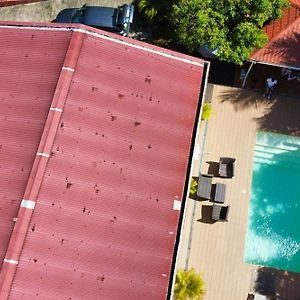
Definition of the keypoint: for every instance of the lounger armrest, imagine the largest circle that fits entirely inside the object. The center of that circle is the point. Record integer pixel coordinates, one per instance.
(216, 211)
(220, 213)
(225, 217)
(226, 167)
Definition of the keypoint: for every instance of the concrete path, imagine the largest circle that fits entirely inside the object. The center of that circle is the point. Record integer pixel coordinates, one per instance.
(46, 11)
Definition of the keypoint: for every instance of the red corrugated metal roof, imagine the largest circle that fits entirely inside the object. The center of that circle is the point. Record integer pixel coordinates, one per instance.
(27, 83)
(118, 137)
(283, 34)
(17, 2)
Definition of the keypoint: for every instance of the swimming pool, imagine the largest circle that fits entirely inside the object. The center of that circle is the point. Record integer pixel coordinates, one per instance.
(273, 234)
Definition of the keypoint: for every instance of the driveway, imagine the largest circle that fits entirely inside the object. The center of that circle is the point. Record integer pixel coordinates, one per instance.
(46, 11)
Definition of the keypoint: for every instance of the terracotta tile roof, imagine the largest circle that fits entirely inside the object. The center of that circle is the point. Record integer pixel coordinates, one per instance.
(110, 156)
(277, 26)
(283, 49)
(283, 33)
(295, 3)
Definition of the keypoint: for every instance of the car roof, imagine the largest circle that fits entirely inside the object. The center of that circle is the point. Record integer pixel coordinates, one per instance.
(65, 16)
(100, 16)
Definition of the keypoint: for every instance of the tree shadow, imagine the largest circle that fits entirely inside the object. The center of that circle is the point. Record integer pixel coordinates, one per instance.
(283, 117)
(206, 213)
(281, 113)
(277, 283)
(243, 99)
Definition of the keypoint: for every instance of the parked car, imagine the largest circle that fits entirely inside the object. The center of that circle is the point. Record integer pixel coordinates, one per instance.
(107, 18)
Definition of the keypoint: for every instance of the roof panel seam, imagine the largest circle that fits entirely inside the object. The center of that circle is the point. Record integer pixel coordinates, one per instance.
(68, 69)
(43, 154)
(56, 109)
(10, 261)
(28, 204)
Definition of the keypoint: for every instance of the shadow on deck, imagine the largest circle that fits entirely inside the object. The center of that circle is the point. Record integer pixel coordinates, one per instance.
(277, 283)
(281, 113)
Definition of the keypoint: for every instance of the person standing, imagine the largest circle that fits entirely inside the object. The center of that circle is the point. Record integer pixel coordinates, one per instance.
(270, 84)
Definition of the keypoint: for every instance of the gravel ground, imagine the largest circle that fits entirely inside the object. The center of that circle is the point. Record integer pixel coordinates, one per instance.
(46, 11)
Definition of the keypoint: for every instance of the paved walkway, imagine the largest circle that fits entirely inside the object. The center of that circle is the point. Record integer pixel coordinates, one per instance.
(46, 11)
(217, 249)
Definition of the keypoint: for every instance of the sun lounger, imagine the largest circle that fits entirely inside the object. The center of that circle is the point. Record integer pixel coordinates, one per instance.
(220, 192)
(226, 167)
(204, 186)
(220, 213)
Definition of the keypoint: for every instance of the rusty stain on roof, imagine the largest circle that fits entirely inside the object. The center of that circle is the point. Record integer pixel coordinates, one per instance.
(109, 169)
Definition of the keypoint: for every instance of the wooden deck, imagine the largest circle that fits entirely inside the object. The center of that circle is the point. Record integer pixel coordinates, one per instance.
(217, 249)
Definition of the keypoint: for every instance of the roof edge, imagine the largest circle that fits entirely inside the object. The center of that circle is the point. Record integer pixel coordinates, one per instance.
(188, 178)
(43, 154)
(108, 36)
(273, 65)
(5, 3)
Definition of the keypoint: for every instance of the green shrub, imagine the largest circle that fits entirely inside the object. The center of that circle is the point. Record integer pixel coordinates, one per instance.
(193, 188)
(154, 10)
(189, 285)
(206, 111)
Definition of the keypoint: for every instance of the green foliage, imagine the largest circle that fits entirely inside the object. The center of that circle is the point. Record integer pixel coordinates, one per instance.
(206, 111)
(193, 188)
(188, 285)
(154, 10)
(232, 27)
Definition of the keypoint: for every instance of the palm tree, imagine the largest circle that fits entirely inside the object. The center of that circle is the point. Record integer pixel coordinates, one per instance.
(154, 10)
(188, 285)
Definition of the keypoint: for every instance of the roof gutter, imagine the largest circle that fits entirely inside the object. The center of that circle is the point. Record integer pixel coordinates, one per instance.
(274, 65)
(188, 179)
(106, 36)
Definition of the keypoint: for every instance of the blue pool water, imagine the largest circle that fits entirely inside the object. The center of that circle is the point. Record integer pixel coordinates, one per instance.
(273, 234)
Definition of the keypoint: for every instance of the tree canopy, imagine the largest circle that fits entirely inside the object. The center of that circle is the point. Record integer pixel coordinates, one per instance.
(188, 285)
(232, 27)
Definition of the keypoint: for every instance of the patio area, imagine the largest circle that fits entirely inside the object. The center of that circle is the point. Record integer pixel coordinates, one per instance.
(217, 249)
(258, 74)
